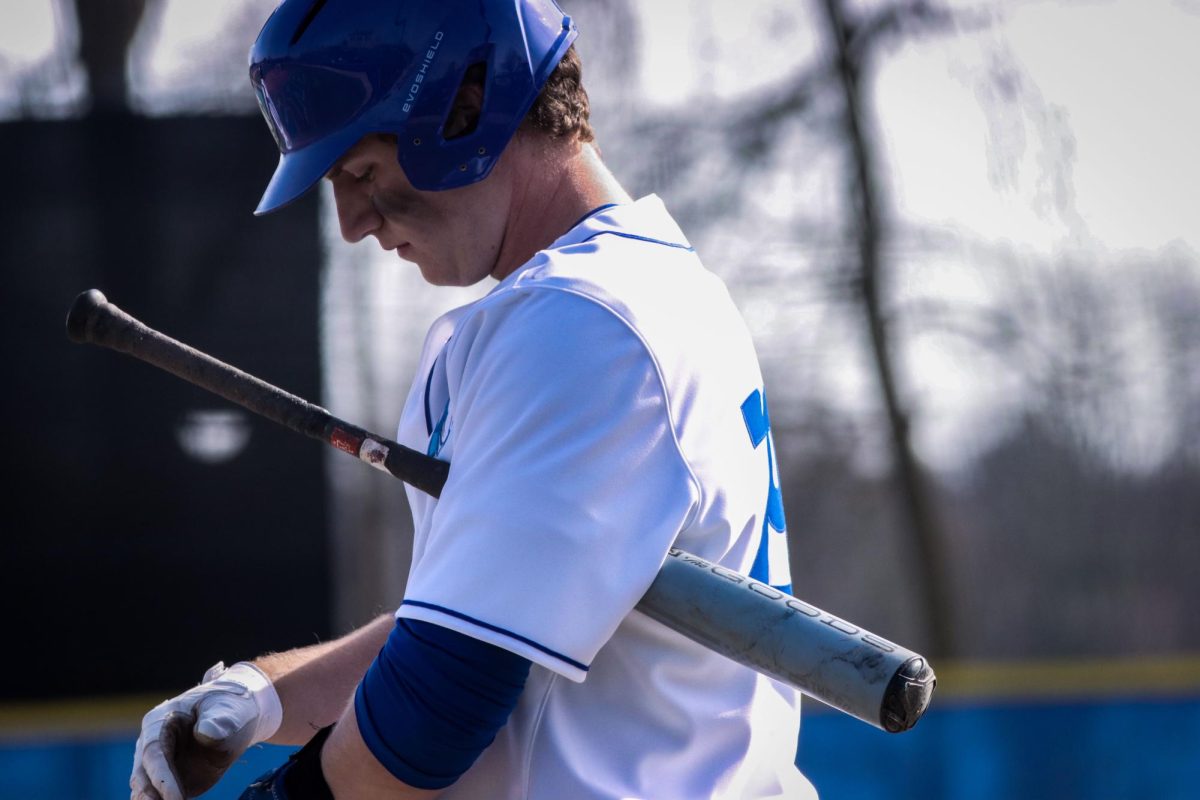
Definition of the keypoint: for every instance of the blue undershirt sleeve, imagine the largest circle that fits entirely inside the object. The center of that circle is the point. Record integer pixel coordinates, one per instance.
(433, 700)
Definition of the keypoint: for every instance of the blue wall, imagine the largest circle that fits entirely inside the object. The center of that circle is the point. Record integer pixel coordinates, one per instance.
(98, 769)
(1123, 750)
(1126, 749)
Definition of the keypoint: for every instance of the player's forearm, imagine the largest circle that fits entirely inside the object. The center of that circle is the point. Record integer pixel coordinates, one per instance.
(315, 683)
(353, 773)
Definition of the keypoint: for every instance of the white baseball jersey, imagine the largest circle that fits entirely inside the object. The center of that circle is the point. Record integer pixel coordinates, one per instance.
(601, 404)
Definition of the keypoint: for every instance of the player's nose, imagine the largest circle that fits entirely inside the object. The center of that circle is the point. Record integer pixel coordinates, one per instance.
(357, 216)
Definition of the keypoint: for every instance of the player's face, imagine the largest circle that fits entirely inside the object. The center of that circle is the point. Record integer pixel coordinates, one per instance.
(453, 236)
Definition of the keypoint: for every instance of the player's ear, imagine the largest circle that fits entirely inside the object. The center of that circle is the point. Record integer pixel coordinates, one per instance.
(468, 103)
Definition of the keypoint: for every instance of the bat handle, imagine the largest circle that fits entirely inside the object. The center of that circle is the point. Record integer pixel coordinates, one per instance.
(89, 309)
(92, 319)
(417, 469)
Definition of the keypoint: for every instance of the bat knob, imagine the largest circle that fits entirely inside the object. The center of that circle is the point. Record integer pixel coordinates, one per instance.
(83, 310)
(908, 695)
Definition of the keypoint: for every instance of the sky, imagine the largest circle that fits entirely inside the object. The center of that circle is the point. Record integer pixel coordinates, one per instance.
(1112, 77)
(29, 32)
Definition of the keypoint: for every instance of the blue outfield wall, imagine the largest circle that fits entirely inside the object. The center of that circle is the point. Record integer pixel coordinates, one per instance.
(1120, 749)
(98, 769)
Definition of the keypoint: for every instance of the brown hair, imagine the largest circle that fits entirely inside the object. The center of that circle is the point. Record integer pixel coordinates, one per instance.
(561, 109)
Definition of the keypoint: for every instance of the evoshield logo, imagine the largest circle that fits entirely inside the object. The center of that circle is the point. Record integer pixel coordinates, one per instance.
(419, 78)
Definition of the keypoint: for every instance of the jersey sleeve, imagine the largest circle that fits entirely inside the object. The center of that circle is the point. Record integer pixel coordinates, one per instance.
(567, 485)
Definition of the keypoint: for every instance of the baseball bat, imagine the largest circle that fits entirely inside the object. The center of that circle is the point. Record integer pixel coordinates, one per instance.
(834, 661)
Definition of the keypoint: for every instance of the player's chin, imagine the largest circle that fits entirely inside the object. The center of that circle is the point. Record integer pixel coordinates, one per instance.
(435, 274)
(441, 273)
(429, 268)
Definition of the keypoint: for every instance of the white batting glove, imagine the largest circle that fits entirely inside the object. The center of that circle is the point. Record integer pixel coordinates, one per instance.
(188, 742)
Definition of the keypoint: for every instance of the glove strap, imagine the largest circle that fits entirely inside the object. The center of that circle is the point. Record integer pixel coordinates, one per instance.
(270, 709)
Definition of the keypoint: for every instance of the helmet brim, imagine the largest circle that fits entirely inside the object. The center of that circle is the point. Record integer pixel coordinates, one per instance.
(300, 170)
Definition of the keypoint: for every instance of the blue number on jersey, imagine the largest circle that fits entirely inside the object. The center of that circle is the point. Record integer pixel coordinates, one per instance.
(758, 424)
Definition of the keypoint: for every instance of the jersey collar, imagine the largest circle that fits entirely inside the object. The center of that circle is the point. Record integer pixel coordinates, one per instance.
(647, 218)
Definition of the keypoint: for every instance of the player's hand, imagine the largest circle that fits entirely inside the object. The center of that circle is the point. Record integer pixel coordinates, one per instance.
(188, 742)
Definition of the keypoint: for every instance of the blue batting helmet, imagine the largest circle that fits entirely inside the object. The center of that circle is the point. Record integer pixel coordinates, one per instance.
(328, 72)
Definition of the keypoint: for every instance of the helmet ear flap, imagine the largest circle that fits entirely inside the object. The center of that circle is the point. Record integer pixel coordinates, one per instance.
(465, 111)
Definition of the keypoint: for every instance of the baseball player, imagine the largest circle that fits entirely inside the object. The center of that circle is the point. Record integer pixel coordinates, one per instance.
(601, 404)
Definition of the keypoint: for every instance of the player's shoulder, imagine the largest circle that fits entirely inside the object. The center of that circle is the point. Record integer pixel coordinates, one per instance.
(628, 266)
(623, 256)
(635, 261)
(540, 332)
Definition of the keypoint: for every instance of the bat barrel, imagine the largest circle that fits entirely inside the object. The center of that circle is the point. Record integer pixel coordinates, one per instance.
(908, 695)
(824, 656)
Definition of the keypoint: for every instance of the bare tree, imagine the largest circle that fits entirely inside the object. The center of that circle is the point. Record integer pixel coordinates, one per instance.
(106, 29)
(855, 44)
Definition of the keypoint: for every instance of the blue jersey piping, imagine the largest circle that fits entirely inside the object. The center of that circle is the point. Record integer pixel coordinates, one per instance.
(634, 236)
(428, 385)
(592, 213)
(496, 629)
